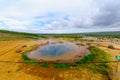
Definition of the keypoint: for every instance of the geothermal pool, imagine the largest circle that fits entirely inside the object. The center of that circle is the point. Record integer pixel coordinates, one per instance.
(59, 52)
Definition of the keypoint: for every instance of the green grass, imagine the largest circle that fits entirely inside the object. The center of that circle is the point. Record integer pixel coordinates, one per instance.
(19, 33)
(12, 35)
(32, 62)
(45, 65)
(24, 57)
(115, 34)
(97, 55)
(28, 60)
(62, 65)
(77, 36)
(86, 59)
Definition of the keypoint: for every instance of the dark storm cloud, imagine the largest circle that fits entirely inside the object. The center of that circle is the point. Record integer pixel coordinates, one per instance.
(108, 16)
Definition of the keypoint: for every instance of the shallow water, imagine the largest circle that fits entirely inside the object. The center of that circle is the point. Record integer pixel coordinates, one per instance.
(54, 50)
(57, 51)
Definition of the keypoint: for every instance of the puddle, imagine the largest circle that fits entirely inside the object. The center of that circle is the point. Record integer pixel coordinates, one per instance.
(61, 52)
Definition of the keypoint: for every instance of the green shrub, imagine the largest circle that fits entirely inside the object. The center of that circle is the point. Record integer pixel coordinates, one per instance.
(97, 55)
(62, 65)
(44, 65)
(24, 57)
(86, 59)
(32, 62)
(28, 60)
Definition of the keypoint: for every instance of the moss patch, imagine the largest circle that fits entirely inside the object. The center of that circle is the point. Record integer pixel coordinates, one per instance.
(62, 65)
(97, 55)
(44, 65)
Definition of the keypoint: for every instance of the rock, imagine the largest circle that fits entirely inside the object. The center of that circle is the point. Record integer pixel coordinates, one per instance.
(47, 42)
(24, 45)
(41, 60)
(18, 51)
(9, 71)
(82, 44)
(111, 47)
(78, 43)
(61, 41)
(88, 43)
(78, 56)
(53, 42)
(74, 65)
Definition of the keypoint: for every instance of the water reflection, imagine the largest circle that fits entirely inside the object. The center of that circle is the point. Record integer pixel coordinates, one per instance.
(58, 51)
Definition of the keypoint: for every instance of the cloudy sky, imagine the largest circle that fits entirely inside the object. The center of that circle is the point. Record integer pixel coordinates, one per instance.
(60, 16)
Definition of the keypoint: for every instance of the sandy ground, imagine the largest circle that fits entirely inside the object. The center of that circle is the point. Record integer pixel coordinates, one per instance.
(20, 71)
(10, 71)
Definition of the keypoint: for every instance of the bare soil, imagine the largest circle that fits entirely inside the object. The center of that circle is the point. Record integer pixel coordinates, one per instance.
(21, 71)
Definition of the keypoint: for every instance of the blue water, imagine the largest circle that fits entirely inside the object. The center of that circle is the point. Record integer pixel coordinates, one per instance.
(54, 50)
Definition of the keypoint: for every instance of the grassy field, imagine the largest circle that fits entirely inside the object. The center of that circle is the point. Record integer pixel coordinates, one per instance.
(104, 34)
(10, 35)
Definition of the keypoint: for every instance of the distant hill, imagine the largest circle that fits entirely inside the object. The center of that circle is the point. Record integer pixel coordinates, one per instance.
(111, 34)
(12, 35)
(107, 32)
(19, 33)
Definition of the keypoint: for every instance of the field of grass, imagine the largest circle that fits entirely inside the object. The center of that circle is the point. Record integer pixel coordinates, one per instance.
(97, 55)
(104, 34)
(11, 35)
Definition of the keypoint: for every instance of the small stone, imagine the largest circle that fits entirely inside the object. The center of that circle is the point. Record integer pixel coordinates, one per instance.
(111, 47)
(24, 45)
(9, 71)
(88, 43)
(18, 51)
(78, 43)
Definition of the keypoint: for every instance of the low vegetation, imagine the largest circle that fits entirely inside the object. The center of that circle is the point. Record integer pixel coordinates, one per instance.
(18, 33)
(62, 65)
(95, 61)
(45, 65)
(28, 60)
(24, 57)
(11, 35)
(115, 34)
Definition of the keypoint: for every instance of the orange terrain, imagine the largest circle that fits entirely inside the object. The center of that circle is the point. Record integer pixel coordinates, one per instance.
(22, 71)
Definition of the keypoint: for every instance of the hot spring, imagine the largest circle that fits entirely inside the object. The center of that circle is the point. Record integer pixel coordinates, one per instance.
(59, 52)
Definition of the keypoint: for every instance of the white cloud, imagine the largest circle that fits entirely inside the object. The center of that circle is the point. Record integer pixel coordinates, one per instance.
(51, 15)
(31, 8)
